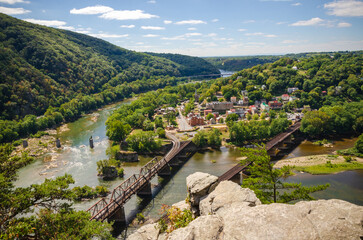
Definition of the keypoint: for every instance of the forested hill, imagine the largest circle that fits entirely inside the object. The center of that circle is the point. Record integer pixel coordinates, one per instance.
(240, 63)
(42, 66)
(189, 65)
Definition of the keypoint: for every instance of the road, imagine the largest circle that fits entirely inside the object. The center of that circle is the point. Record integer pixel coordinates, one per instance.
(182, 122)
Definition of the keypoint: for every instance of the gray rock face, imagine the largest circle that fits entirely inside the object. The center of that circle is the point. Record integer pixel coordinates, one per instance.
(146, 232)
(232, 212)
(225, 195)
(323, 219)
(202, 228)
(199, 185)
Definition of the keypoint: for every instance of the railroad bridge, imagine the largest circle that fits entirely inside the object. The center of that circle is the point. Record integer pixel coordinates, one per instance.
(273, 147)
(113, 208)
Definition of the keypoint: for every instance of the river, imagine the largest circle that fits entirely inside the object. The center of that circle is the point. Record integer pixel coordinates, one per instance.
(79, 160)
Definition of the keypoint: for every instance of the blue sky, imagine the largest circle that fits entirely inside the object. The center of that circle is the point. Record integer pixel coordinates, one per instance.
(205, 27)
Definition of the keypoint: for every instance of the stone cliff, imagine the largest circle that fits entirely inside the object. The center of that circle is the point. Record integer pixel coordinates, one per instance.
(227, 211)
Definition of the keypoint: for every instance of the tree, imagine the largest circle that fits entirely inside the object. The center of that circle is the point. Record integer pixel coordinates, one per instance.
(159, 122)
(267, 182)
(315, 123)
(117, 130)
(232, 117)
(359, 144)
(210, 116)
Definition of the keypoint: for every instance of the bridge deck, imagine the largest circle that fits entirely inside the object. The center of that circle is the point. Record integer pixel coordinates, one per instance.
(269, 145)
(105, 208)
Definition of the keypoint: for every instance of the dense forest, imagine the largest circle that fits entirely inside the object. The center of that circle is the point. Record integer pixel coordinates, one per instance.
(43, 67)
(189, 65)
(240, 63)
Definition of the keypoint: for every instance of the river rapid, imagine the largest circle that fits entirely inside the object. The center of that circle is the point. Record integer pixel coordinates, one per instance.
(76, 158)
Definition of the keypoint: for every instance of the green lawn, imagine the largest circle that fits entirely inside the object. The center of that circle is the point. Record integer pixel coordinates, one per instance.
(330, 168)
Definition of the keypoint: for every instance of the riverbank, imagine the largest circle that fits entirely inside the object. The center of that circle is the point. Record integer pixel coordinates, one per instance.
(321, 164)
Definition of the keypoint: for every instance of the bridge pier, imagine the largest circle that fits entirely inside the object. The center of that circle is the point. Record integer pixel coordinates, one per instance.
(237, 178)
(145, 190)
(119, 217)
(165, 171)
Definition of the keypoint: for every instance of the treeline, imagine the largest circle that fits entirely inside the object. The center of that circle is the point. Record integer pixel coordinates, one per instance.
(253, 130)
(240, 63)
(334, 120)
(11, 129)
(43, 67)
(322, 80)
(189, 65)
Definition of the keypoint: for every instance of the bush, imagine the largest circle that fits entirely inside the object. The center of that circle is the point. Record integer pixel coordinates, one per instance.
(161, 132)
(348, 159)
(102, 191)
(120, 172)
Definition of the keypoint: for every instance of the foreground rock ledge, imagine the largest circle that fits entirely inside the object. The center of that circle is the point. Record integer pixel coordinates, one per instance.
(232, 212)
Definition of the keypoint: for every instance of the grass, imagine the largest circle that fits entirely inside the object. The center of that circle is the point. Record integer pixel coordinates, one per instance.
(330, 168)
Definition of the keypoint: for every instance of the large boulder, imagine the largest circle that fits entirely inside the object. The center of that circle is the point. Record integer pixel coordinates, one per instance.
(202, 228)
(146, 232)
(182, 205)
(225, 195)
(199, 185)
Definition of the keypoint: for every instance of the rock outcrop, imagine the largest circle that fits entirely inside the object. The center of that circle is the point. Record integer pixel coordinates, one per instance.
(231, 212)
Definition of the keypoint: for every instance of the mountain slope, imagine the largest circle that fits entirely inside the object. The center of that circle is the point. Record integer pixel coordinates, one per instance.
(42, 66)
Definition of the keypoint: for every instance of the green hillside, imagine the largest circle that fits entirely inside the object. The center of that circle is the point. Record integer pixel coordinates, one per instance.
(189, 65)
(42, 67)
(240, 63)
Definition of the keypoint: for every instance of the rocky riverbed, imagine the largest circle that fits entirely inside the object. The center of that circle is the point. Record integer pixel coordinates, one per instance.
(227, 211)
(312, 160)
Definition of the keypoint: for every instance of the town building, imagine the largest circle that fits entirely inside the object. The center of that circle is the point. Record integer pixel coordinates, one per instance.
(253, 109)
(219, 106)
(274, 105)
(285, 97)
(194, 119)
(292, 89)
(265, 107)
(244, 93)
(207, 111)
(234, 99)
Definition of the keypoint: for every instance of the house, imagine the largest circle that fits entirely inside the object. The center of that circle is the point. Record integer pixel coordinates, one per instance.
(216, 114)
(234, 99)
(265, 107)
(274, 105)
(253, 109)
(240, 112)
(285, 97)
(220, 120)
(212, 121)
(292, 89)
(219, 106)
(207, 111)
(243, 102)
(244, 93)
(307, 107)
(257, 103)
(292, 98)
(294, 68)
(194, 119)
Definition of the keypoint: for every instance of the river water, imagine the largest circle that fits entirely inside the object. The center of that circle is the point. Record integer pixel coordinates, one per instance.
(79, 160)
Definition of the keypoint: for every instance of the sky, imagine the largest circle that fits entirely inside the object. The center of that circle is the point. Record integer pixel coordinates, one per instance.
(205, 27)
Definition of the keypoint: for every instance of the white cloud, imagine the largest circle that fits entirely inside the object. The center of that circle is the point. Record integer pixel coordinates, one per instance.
(192, 29)
(255, 34)
(296, 4)
(127, 26)
(98, 9)
(242, 30)
(167, 22)
(279, 23)
(192, 22)
(311, 22)
(215, 20)
(345, 8)
(151, 1)
(70, 28)
(180, 37)
(106, 35)
(13, 11)
(212, 35)
(249, 21)
(261, 34)
(127, 15)
(13, 1)
(192, 34)
(344, 24)
(221, 28)
(289, 41)
(49, 23)
(152, 28)
(150, 35)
